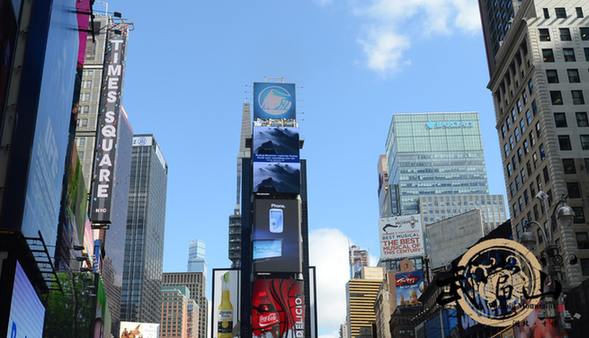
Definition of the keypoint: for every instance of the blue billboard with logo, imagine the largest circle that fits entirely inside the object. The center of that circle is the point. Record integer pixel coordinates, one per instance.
(274, 101)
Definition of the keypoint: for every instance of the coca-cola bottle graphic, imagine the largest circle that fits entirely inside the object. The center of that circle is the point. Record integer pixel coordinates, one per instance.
(268, 319)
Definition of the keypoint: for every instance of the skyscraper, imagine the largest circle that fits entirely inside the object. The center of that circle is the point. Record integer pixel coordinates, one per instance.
(177, 300)
(144, 245)
(235, 219)
(196, 256)
(538, 66)
(434, 154)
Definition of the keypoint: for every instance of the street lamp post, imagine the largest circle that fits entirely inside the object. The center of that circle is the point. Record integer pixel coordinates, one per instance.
(565, 216)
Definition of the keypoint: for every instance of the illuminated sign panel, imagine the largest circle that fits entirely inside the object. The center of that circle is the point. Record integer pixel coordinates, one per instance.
(450, 124)
(277, 236)
(278, 308)
(107, 136)
(27, 313)
(274, 101)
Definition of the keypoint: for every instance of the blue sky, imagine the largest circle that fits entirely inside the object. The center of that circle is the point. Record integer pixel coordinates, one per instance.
(191, 66)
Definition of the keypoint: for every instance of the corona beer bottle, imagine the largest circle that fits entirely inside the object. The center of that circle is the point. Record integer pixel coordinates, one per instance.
(225, 327)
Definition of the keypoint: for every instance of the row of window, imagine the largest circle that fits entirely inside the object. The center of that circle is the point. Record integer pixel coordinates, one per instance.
(564, 141)
(561, 12)
(556, 98)
(564, 33)
(572, 74)
(567, 53)
(560, 120)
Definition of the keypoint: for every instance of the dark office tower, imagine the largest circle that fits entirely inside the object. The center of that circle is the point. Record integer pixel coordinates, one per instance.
(235, 219)
(539, 83)
(144, 246)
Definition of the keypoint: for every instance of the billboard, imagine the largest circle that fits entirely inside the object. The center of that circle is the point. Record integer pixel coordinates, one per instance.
(27, 313)
(274, 101)
(277, 166)
(108, 123)
(276, 235)
(400, 237)
(278, 308)
(139, 330)
(226, 303)
(409, 286)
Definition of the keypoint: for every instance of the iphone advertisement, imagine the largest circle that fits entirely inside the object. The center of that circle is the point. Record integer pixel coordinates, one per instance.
(277, 238)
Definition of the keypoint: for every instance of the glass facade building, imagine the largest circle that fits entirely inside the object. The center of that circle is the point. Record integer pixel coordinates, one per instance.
(144, 245)
(434, 154)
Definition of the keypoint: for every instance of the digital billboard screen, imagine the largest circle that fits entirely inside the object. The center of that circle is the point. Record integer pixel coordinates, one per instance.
(27, 313)
(276, 144)
(278, 308)
(277, 177)
(401, 237)
(276, 236)
(226, 303)
(274, 101)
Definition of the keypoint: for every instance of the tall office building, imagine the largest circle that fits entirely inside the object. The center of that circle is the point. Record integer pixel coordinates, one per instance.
(196, 256)
(538, 65)
(144, 245)
(235, 219)
(360, 298)
(196, 283)
(434, 154)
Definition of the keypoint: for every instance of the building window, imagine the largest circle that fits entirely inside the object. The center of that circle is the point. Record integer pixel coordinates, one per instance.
(82, 141)
(573, 190)
(514, 162)
(522, 125)
(565, 34)
(517, 136)
(552, 75)
(81, 155)
(582, 240)
(579, 12)
(582, 120)
(84, 122)
(527, 200)
(521, 204)
(519, 106)
(523, 175)
(569, 165)
(513, 116)
(584, 33)
(85, 109)
(546, 13)
(560, 120)
(517, 183)
(536, 213)
(532, 138)
(515, 211)
(529, 168)
(86, 97)
(528, 117)
(519, 155)
(506, 150)
(579, 215)
(584, 142)
(535, 159)
(548, 56)
(511, 143)
(573, 76)
(524, 95)
(534, 107)
(503, 131)
(538, 130)
(586, 54)
(556, 97)
(561, 13)
(511, 189)
(564, 142)
(508, 123)
(546, 176)
(569, 54)
(509, 172)
(577, 97)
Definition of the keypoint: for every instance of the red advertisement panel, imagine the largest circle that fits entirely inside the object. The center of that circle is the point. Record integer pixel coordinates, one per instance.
(278, 308)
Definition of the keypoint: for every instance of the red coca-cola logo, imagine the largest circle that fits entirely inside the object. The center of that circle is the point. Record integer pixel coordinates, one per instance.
(268, 319)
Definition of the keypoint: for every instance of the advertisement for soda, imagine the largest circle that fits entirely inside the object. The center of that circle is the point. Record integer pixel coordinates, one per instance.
(278, 308)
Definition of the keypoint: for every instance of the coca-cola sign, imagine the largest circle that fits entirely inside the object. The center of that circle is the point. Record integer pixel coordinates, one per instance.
(268, 319)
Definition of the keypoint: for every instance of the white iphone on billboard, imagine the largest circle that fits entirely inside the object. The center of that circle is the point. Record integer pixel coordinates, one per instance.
(276, 223)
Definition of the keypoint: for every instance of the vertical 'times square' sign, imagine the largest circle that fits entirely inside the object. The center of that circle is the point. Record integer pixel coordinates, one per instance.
(107, 133)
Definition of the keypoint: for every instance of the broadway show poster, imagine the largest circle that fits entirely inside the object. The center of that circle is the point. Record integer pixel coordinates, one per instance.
(401, 237)
(139, 330)
(409, 287)
(278, 308)
(274, 101)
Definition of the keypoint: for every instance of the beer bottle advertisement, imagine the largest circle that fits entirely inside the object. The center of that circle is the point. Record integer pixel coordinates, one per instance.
(278, 308)
(225, 310)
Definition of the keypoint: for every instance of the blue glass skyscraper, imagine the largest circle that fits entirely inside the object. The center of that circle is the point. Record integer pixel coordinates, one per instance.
(434, 154)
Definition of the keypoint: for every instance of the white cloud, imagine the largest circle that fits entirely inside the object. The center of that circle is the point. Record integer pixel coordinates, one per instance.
(393, 24)
(328, 251)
